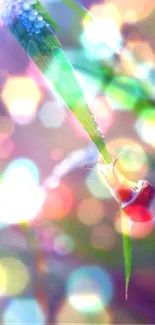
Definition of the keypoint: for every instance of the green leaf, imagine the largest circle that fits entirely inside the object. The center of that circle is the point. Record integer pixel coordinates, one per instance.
(127, 250)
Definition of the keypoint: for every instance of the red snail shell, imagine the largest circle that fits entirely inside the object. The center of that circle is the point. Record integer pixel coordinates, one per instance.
(138, 207)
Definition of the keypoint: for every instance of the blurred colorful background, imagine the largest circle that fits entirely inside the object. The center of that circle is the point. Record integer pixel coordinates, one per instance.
(61, 257)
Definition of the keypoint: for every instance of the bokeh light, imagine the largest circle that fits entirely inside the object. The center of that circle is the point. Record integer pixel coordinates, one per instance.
(90, 211)
(59, 202)
(63, 244)
(89, 289)
(21, 97)
(144, 53)
(103, 237)
(68, 314)
(97, 185)
(24, 311)
(108, 10)
(20, 196)
(97, 42)
(22, 166)
(145, 126)
(52, 114)
(129, 67)
(139, 8)
(14, 276)
(134, 162)
(142, 71)
(22, 110)
(130, 16)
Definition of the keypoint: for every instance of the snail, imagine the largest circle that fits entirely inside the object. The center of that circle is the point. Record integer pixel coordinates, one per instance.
(136, 199)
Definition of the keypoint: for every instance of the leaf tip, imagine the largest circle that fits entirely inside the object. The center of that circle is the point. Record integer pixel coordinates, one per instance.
(126, 293)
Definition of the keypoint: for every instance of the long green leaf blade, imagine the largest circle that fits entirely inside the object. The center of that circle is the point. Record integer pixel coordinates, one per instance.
(127, 250)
